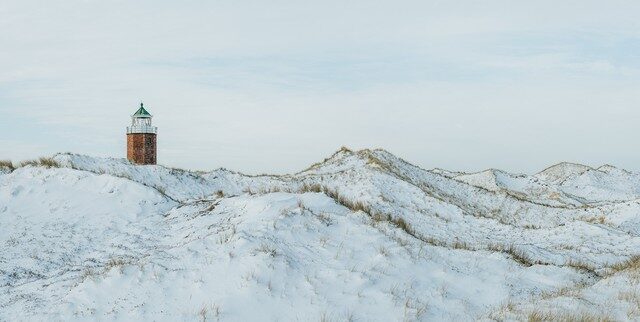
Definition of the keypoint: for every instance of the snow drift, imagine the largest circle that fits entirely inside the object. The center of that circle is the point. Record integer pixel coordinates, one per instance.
(362, 235)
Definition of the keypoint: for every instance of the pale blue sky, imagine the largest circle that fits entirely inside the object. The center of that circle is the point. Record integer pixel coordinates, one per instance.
(273, 86)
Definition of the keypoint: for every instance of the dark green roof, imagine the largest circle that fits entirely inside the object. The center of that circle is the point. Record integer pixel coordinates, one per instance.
(141, 112)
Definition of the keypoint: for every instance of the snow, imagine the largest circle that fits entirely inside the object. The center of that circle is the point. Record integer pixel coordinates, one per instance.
(605, 184)
(362, 235)
(560, 172)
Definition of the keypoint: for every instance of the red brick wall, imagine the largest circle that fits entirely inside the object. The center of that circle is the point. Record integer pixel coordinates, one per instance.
(141, 148)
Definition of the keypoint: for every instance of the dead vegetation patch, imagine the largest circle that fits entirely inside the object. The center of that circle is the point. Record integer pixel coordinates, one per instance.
(543, 316)
(377, 217)
(630, 266)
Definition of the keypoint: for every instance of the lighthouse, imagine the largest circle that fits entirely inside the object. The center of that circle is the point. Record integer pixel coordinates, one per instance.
(142, 138)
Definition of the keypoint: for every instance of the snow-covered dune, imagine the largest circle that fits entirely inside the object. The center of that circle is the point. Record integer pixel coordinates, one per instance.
(362, 235)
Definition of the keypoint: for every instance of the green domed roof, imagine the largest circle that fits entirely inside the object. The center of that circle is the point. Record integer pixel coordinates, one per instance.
(141, 112)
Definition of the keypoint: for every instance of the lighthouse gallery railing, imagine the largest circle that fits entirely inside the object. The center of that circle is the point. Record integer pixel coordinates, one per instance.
(142, 129)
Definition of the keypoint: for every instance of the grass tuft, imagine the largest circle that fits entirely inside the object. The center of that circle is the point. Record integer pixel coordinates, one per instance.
(207, 311)
(49, 163)
(7, 164)
(41, 162)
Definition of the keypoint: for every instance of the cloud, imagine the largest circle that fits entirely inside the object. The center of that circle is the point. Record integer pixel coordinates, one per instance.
(273, 86)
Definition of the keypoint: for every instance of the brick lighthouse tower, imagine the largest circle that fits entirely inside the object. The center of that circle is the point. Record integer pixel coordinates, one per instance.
(141, 138)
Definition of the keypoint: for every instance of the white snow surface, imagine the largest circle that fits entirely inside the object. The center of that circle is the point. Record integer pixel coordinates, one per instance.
(360, 236)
